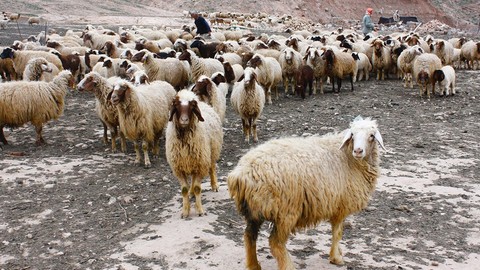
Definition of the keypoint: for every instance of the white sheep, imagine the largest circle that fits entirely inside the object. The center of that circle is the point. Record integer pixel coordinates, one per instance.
(338, 65)
(290, 61)
(171, 70)
(96, 41)
(444, 50)
(248, 100)
(314, 59)
(381, 59)
(405, 64)
(140, 77)
(296, 183)
(470, 51)
(106, 111)
(446, 79)
(201, 66)
(4, 23)
(269, 74)
(363, 66)
(143, 114)
(208, 92)
(33, 20)
(39, 69)
(423, 68)
(35, 102)
(193, 142)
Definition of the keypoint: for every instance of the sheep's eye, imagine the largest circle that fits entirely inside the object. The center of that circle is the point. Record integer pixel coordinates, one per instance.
(372, 137)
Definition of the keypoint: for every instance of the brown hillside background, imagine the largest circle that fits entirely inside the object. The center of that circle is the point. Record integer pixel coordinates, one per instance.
(463, 14)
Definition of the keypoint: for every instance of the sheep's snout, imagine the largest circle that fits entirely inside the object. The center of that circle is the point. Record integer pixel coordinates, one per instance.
(358, 153)
(115, 99)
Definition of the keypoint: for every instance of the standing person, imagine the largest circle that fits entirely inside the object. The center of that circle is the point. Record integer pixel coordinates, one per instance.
(367, 22)
(203, 28)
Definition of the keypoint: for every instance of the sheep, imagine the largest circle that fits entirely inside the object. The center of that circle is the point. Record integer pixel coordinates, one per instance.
(423, 68)
(33, 20)
(381, 59)
(446, 79)
(7, 70)
(71, 62)
(36, 102)
(363, 66)
(444, 50)
(269, 74)
(457, 42)
(405, 64)
(106, 111)
(140, 77)
(290, 61)
(231, 57)
(208, 92)
(201, 66)
(143, 113)
(14, 16)
(193, 142)
(61, 48)
(97, 41)
(338, 65)
(470, 51)
(296, 183)
(314, 58)
(20, 59)
(4, 23)
(221, 82)
(304, 77)
(171, 70)
(206, 50)
(39, 69)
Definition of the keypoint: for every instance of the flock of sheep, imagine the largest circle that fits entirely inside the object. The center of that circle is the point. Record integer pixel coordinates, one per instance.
(149, 83)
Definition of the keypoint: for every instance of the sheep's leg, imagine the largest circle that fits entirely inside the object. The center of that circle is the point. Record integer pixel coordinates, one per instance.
(123, 142)
(145, 153)
(244, 128)
(2, 136)
(253, 128)
(156, 146)
(138, 157)
(321, 86)
(335, 251)
(197, 190)
(339, 84)
(332, 80)
(250, 238)
(352, 80)
(213, 177)
(285, 85)
(105, 136)
(268, 93)
(278, 240)
(113, 134)
(186, 200)
(38, 130)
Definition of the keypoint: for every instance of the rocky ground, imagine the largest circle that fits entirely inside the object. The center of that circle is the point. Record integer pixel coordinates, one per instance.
(72, 204)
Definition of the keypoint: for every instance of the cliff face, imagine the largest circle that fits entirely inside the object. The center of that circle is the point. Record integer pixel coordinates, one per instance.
(456, 13)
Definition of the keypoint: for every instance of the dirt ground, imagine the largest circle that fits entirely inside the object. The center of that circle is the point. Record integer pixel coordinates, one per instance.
(72, 204)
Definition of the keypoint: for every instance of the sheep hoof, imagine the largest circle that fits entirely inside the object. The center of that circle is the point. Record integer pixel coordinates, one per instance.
(337, 261)
(147, 166)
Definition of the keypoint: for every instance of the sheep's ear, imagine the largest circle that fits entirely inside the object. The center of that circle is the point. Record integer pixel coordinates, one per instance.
(173, 111)
(109, 96)
(197, 112)
(241, 78)
(379, 139)
(348, 135)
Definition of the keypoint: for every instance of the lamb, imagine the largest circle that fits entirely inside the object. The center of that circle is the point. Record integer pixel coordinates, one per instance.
(423, 68)
(295, 183)
(405, 64)
(470, 51)
(171, 70)
(39, 69)
(193, 142)
(208, 92)
(7, 70)
(106, 111)
(303, 78)
(143, 113)
(269, 74)
(446, 78)
(290, 62)
(248, 100)
(363, 66)
(338, 65)
(20, 59)
(201, 66)
(36, 102)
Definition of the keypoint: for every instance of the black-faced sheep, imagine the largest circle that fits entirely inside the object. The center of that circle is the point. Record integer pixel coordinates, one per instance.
(338, 65)
(446, 79)
(106, 111)
(304, 77)
(207, 91)
(143, 114)
(269, 74)
(35, 102)
(20, 58)
(423, 68)
(193, 142)
(206, 50)
(296, 183)
(248, 100)
(363, 66)
(7, 70)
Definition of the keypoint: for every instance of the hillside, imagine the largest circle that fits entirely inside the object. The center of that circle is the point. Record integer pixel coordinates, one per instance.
(461, 14)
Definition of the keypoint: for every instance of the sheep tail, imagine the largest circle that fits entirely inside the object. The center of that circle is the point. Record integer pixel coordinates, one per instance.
(237, 187)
